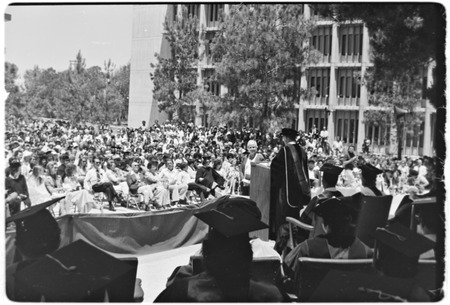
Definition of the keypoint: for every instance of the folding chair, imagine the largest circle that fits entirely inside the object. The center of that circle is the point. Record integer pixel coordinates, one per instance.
(266, 269)
(312, 272)
(373, 213)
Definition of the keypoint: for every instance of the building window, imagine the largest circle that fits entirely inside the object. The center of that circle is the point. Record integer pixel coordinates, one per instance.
(321, 40)
(210, 84)
(175, 11)
(349, 85)
(351, 42)
(213, 12)
(343, 44)
(193, 10)
(319, 80)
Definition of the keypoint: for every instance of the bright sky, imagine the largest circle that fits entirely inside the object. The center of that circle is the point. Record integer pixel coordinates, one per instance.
(51, 35)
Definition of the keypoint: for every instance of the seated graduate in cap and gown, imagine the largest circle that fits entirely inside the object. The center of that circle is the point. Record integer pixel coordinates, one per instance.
(227, 258)
(37, 234)
(330, 177)
(290, 187)
(338, 242)
(396, 257)
(369, 175)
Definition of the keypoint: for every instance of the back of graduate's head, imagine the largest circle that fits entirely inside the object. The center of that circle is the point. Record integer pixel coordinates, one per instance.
(337, 214)
(226, 249)
(330, 174)
(37, 232)
(227, 257)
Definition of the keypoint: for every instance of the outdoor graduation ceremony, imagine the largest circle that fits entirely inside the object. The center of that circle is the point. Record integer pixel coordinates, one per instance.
(224, 152)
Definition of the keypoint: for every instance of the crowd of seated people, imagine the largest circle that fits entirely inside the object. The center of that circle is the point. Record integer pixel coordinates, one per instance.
(185, 154)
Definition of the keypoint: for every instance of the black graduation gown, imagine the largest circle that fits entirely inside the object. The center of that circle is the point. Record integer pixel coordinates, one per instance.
(290, 189)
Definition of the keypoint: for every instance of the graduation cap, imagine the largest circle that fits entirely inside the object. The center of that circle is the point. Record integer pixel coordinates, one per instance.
(397, 250)
(369, 172)
(233, 216)
(334, 207)
(292, 133)
(32, 211)
(77, 272)
(37, 231)
(330, 169)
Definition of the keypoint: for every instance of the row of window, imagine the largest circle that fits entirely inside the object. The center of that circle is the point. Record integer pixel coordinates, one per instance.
(348, 82)
(345, 124)
(213, 12)
(350, 42)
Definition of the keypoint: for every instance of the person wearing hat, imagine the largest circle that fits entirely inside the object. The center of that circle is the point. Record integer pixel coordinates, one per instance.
(290, 187)
(339, 240)
(227, 258)
(16, 188)
(253, 157)
(330, 176)
(369, 175)
(37, 234)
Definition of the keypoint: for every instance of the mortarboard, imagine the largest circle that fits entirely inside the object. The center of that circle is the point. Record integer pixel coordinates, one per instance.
(330, 169)
(77, 272)
(32, 211)
(233, 216)
(289, 132)
(37, 231)
(369, 172)
(397, 250)
(337, 207)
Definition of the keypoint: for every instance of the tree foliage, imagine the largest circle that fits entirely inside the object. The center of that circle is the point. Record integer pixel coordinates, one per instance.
(76, 94)
(260, 52)
(175, 76)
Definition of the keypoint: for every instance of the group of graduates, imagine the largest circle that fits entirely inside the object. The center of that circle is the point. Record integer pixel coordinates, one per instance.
(333, 217)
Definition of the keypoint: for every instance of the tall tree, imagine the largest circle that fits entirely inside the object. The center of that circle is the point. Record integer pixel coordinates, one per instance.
(121, 81)
(13, 101)
(260, 52)
(176, 75)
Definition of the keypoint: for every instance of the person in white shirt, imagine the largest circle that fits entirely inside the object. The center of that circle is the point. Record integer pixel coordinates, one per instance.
(183, 179)
(253, 157)
(419, 167)
(75, 194)
(160, 190)
(324, 133)
(36, 186)
(170, 174)
(137, 185)
(96, 180)
(117, 177)
(26, 167)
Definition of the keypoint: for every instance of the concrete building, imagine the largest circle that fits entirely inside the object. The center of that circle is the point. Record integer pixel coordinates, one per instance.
(338, 105)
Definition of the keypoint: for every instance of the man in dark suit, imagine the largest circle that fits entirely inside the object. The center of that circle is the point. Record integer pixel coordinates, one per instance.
(290, 188)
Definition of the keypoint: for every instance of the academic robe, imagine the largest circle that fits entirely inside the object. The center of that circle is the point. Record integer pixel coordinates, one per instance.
(290, 188)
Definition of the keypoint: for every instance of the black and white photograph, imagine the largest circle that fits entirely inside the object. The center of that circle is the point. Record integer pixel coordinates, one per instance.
(224, 152)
